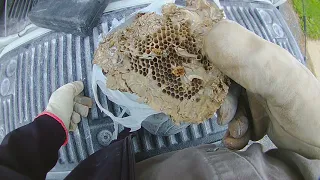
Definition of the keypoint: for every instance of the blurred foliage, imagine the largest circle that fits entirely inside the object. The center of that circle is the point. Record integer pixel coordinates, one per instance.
(312, 9)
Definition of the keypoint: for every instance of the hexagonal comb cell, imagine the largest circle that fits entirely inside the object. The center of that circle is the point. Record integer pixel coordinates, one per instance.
(166, 66)
(160, 58)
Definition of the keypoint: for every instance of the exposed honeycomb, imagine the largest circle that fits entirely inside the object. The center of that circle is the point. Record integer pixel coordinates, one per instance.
(165, 63)
(160, 59)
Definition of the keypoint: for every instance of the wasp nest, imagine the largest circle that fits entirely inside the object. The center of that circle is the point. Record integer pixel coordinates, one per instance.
(160, 58)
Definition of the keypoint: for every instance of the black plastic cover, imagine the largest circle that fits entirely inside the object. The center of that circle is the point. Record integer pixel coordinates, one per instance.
(70, 16)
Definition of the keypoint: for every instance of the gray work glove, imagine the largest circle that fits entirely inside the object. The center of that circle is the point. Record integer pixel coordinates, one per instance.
(284, 96)
(68, 105)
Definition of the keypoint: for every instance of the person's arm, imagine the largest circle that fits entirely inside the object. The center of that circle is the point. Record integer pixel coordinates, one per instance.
(32, 150)
(290, 115)
(288, 92)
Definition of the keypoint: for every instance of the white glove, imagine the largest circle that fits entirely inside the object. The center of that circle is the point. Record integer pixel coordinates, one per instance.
(284, 96)
(68, 105)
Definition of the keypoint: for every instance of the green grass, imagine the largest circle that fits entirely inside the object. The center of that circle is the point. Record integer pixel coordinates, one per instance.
(312, 8)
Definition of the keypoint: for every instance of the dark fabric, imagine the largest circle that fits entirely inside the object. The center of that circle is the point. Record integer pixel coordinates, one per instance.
(115, 161)
(29, 152)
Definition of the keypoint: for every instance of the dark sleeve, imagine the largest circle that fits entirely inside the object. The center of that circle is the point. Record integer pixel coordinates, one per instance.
(113, 162)
(32, 150)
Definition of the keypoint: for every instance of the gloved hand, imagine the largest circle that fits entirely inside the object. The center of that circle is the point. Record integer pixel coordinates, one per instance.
(284, 96)
(228, 109)
(68, 105)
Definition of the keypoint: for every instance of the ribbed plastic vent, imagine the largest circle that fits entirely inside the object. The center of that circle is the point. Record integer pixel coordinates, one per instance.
(16, 16)
(266, 22)
(18, 9)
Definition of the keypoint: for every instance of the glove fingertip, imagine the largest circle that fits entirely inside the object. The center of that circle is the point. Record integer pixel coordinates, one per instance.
(75, 117)
(238, 127)
(84, 101)
(81, 109)
(227, 110)
(236, 144)
(77, 87)
(73, 126)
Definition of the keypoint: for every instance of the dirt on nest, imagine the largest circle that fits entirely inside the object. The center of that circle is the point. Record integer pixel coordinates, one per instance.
(160, 59)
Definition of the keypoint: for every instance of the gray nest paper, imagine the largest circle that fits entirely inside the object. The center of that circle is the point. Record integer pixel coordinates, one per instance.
(157, 57)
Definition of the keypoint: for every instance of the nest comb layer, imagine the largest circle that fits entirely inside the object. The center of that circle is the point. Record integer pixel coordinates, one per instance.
(160, 58)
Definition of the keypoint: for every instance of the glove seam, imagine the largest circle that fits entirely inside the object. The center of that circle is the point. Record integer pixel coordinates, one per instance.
(59, 121)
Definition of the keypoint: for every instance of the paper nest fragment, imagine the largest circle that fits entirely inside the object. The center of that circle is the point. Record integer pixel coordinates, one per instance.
(160, 59)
